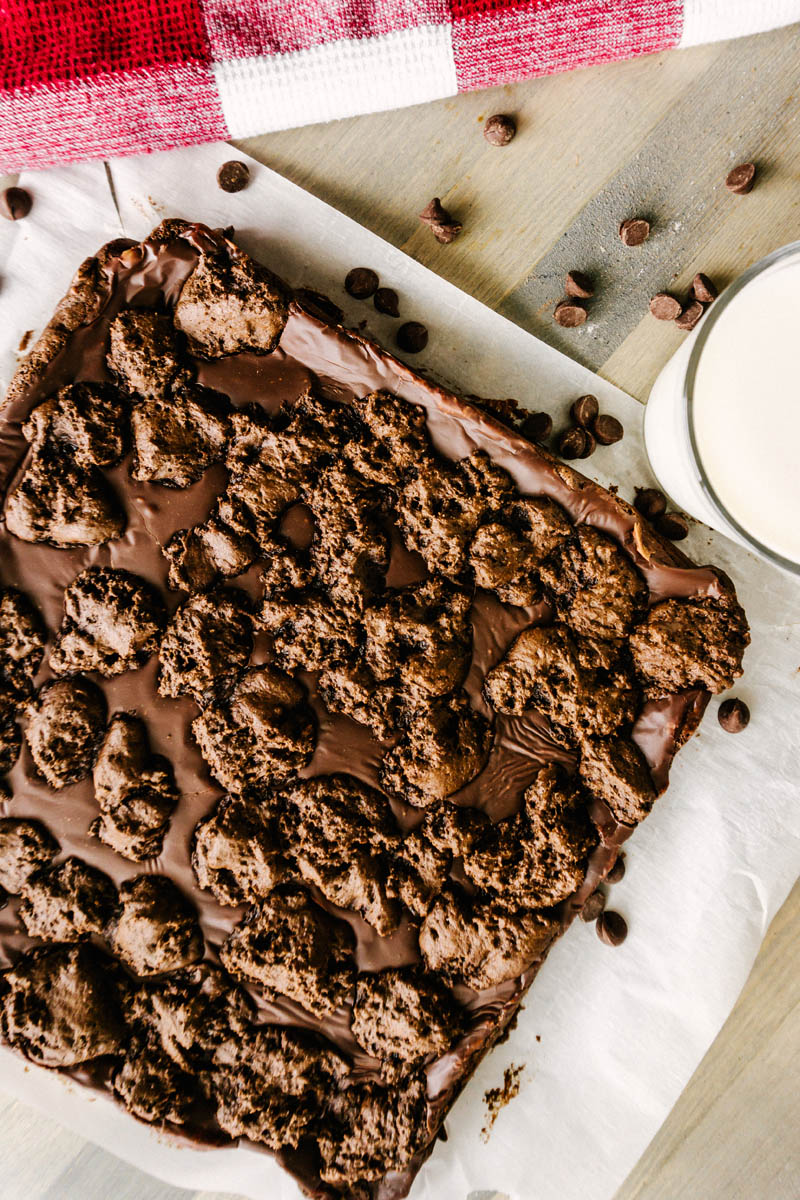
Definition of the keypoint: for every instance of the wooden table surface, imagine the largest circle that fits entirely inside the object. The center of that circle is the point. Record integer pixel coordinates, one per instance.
(652, 137)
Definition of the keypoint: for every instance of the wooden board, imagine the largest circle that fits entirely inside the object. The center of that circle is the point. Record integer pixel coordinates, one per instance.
(656, 137)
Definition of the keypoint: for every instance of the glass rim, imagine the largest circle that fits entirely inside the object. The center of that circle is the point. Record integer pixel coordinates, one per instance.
(708, 323)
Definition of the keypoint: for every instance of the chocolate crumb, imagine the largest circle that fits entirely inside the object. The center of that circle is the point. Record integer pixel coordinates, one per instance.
(500, 129)
(572, 443)
(444, 227)
(233, 176)
(665, 307)
(733, 715)
(386, 301)
(593, 906)
(634, 231)
(741, 179)
(412, 337)
(537, 426)
(15, 203)
(617, 872)
(497, 1098)
(612, 928)
(361, 282)
(703, 289)
(650, 502)
(673, 526)
(24, 341)
(578, 284)
(569, 314)
(584, 410)
(608, 430)
(690, 316)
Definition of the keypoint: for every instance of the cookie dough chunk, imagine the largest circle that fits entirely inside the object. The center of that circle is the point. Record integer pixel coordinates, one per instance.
(538, 857)
(206, 646)
(25, 846)
(505, 555)
(614, 770)
(395, 438)
(265, 731)
(420, 637)
(337, 831)
(67, 902)
(66, 723)
(59, 1007)
(542, 671)
(10, 735)
(176, 439)
(135, 790)
(270, 1085)
(62, 504)
(236, 852)
(350, 552)
(403, 1017)
(422, 862)
(482, 942)
(88, 419)
(22, 642)
(309, 632)
(152, 1086)
(113, 621)
(155, 928)
(144, 354)
(443, 745)
(375, 1129)
(596, 589)
(231, 304)
(261, 482)
(690, 643)
(291, 947)
(441, 505)
(200, 557)
(354, 692)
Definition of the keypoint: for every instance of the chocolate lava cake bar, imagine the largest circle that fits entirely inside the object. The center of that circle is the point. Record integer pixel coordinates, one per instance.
(327, 701)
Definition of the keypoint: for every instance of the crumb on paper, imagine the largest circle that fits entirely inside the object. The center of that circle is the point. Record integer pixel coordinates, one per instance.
(25, 341)
(497, 1098)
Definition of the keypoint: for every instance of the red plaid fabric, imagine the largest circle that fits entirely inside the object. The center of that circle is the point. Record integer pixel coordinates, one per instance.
(91, 78)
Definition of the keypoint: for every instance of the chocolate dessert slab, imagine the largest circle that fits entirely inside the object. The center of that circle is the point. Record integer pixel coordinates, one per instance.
(327, 701)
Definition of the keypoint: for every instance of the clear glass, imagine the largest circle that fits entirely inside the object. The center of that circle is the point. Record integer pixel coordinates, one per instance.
(670, 428)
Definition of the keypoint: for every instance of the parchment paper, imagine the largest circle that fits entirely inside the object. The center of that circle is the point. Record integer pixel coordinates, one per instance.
(621, 1030)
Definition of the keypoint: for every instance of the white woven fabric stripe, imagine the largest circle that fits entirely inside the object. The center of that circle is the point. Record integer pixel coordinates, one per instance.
(713, 20)
(339, 79)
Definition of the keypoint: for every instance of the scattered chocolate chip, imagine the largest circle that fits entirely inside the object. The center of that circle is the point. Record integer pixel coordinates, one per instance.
(442, 225)
(569, 314)
(591, 444)
(319, 306)
(634, 231)
(703, 288)
(578, 284)
(412, 337)
(665, 307)
(500, 129)
(15, 203)
(537, 426)
(608, 430)
(612, 928)
(593, 907)
(690, 316)
(673, 526)
(741, 179)
(361, 282)
(386, 301)
(572, 443)
(233, 176)
(733, 715)
(617, 872)
(650, 502)
(584, 410)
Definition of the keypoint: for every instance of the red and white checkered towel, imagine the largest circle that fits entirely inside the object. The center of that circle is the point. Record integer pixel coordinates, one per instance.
(89, 78)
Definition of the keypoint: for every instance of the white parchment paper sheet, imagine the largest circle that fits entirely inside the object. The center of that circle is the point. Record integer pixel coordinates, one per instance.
(621, 1031)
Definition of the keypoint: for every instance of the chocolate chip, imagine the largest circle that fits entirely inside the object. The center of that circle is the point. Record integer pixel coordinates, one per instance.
(591, 444)
(741, 179)
(593, 907)
(634, 231)
(233, 176)
(673, 526)
(319, 306)
(537, 426)
(584, 410)
(578, 284)
(612, 928)
(412, 337)
(361, 282)
(15, 203)
(442, 225)
(733, 715)
(690, 316)
(569, 314)
(665, 307)
(572, 443)
(703, 288)
(650, 502)
(386, 301)
(500, 129)
(608, 430)
(617, 872)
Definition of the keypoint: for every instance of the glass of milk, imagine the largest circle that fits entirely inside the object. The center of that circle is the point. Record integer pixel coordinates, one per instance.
(722, 424)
